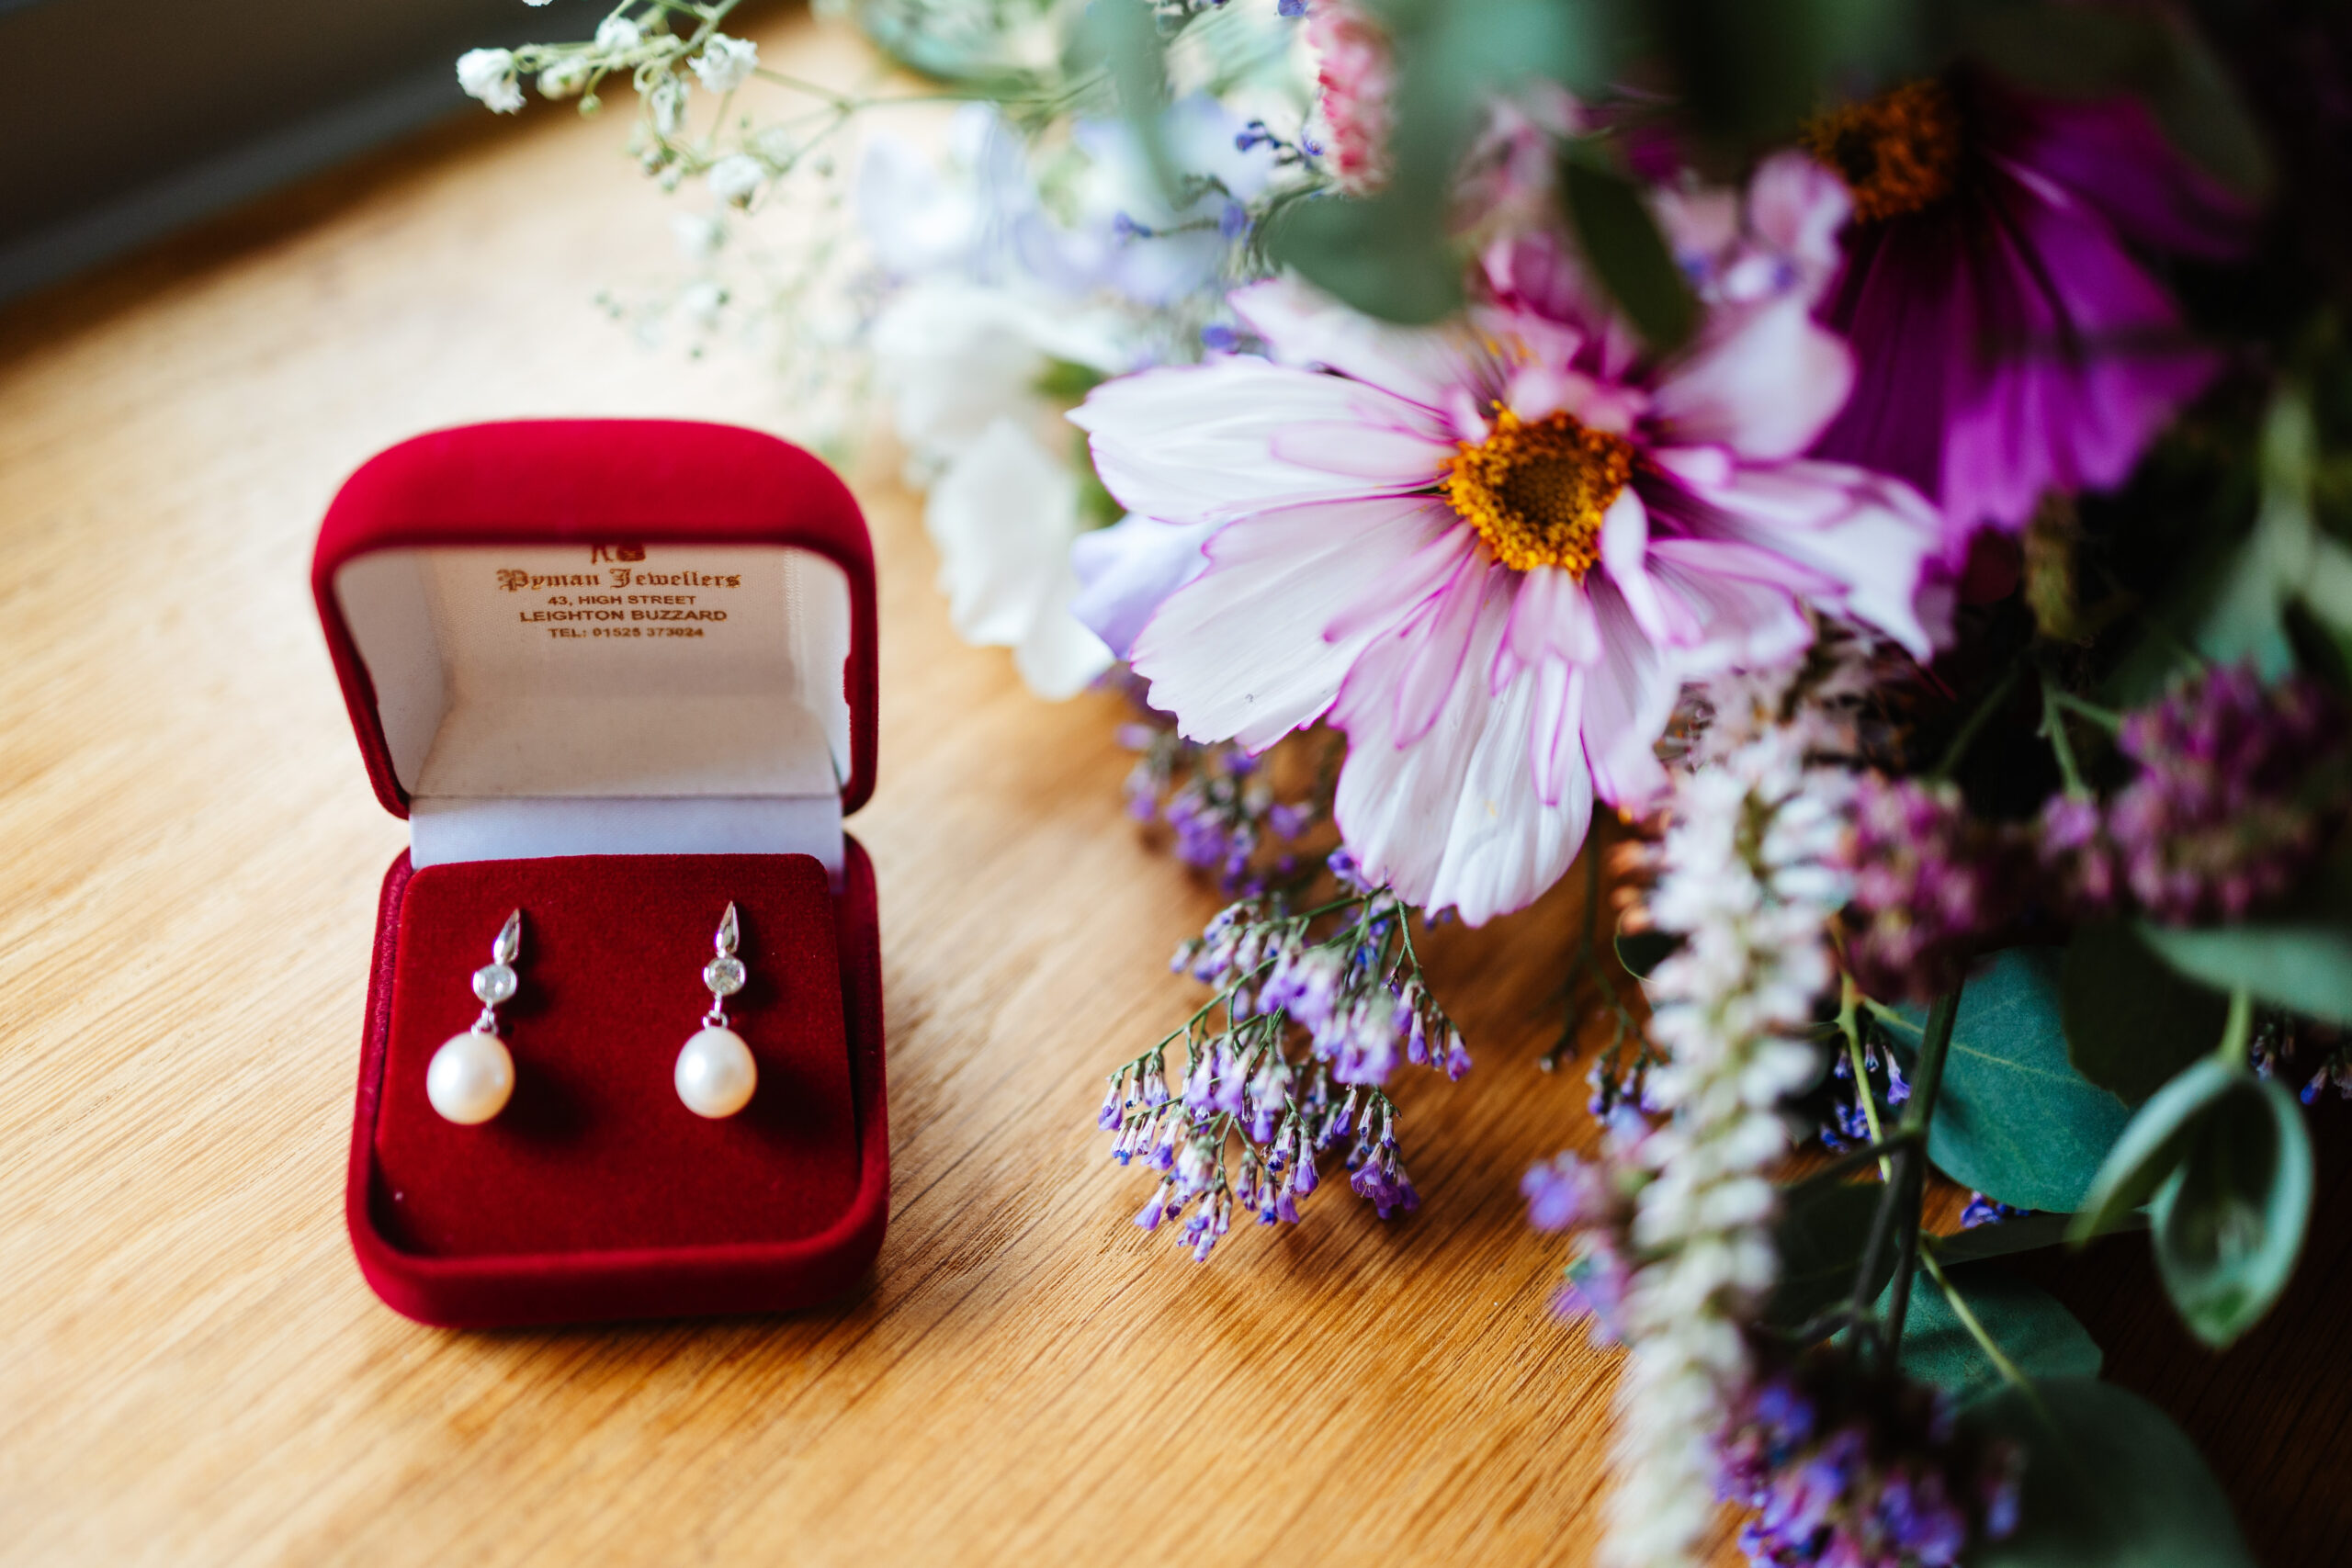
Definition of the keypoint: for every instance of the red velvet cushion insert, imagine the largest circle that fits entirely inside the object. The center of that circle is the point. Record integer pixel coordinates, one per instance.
(595, 1151)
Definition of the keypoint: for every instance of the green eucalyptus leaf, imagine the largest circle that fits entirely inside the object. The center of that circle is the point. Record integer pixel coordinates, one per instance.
(2015, 1120)
(1387, 254)
(1126, 40)
(1823, 1227)
(1622, 241)
(2326, 586)
(2133, 1023)
(2004, 1238)
(2303, 968)
(2109, 1483)
(2245, 618)
(2230, 1220)
(1384, 256)
(2041, 1338)
(2150, 1148)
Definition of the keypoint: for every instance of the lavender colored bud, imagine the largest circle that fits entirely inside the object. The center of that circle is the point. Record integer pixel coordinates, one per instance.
(1155, 1210)
(1109, 1116)
(1457, 1056)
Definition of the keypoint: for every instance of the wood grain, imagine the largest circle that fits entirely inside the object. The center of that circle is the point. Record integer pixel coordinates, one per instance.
(191, 1371)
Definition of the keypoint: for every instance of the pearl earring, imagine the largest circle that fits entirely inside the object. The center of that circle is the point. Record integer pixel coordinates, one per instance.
(715, 1073)
(472, 1076)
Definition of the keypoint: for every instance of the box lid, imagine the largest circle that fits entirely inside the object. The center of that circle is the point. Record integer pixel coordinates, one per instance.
(534, 617)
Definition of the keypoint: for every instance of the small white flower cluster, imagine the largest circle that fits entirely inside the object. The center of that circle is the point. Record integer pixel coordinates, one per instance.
(1747, 880)
(643, 49)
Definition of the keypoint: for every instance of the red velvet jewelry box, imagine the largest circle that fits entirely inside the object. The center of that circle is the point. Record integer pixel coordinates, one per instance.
(617, 674)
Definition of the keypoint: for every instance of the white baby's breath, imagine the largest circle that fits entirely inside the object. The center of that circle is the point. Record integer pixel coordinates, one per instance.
(726, 63)
(489, 75)
(1746, 881)
(737, 178)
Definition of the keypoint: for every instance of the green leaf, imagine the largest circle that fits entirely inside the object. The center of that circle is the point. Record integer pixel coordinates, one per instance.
(1622, 241)
(1386, 256)
(2150, 1148)
(1641, 952)
(1124, 39)
(1824, 1226)
(2003, 1238)
(2245, 620)
(2015, 1120)
(2230, 1220)
(2132, 1022)
(2303, 968)
(2040, 1337)
(2109, 1483)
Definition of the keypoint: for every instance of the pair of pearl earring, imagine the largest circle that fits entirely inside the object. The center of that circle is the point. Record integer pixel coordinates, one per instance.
(473, 1075)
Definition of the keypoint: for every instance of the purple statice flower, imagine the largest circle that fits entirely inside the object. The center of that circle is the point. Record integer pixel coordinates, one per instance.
(1562, 1191)
(1382, 1182)
(1847, 1468)
(2009, 338)
(2221, 816)
(1983, 1211)
(1929, 883)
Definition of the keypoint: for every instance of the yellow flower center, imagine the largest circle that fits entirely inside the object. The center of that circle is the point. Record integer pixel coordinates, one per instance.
(1537, 492)
(1897, 152)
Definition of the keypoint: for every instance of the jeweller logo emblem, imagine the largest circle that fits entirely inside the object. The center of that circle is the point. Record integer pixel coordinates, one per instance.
(614, 552)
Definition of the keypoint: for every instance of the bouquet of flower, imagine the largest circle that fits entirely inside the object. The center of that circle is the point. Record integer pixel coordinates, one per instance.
(1895, 456)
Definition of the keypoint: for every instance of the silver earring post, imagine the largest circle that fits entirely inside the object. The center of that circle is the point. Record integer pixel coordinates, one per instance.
(473, 1075)
(716, 1074)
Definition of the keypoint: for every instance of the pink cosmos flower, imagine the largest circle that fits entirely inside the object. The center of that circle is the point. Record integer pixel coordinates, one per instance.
(2009, 338)
(1492, 553)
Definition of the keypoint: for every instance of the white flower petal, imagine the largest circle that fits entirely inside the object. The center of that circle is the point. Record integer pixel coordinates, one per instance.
(1305, 327)
(1241, 653)
(1628, 698)
(1438, 639)
(1197, 441)
(1870, 535)
(1765, 389)
(954, 357)
(1003, 515)
(1454, 820)
(1060, 658)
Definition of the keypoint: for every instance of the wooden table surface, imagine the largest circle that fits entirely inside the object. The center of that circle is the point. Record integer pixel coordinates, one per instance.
(191, 1371)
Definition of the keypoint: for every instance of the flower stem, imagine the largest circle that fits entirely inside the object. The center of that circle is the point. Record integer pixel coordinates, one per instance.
(2053, 730)
(1910, 1185)
(1958, 750)
(2232, 1052)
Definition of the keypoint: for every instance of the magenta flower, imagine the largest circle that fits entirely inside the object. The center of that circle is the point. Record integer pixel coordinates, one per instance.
(1492, 553)
(2010, 340)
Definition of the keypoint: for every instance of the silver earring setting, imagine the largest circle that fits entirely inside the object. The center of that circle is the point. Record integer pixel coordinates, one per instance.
(471, 1074)
(715, 1073)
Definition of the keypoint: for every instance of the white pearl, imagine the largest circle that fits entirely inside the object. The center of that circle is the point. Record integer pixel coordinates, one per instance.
(470, 1078)
(715, 1073)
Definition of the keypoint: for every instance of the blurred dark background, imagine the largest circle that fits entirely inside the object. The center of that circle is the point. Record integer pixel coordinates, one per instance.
(126, 118)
